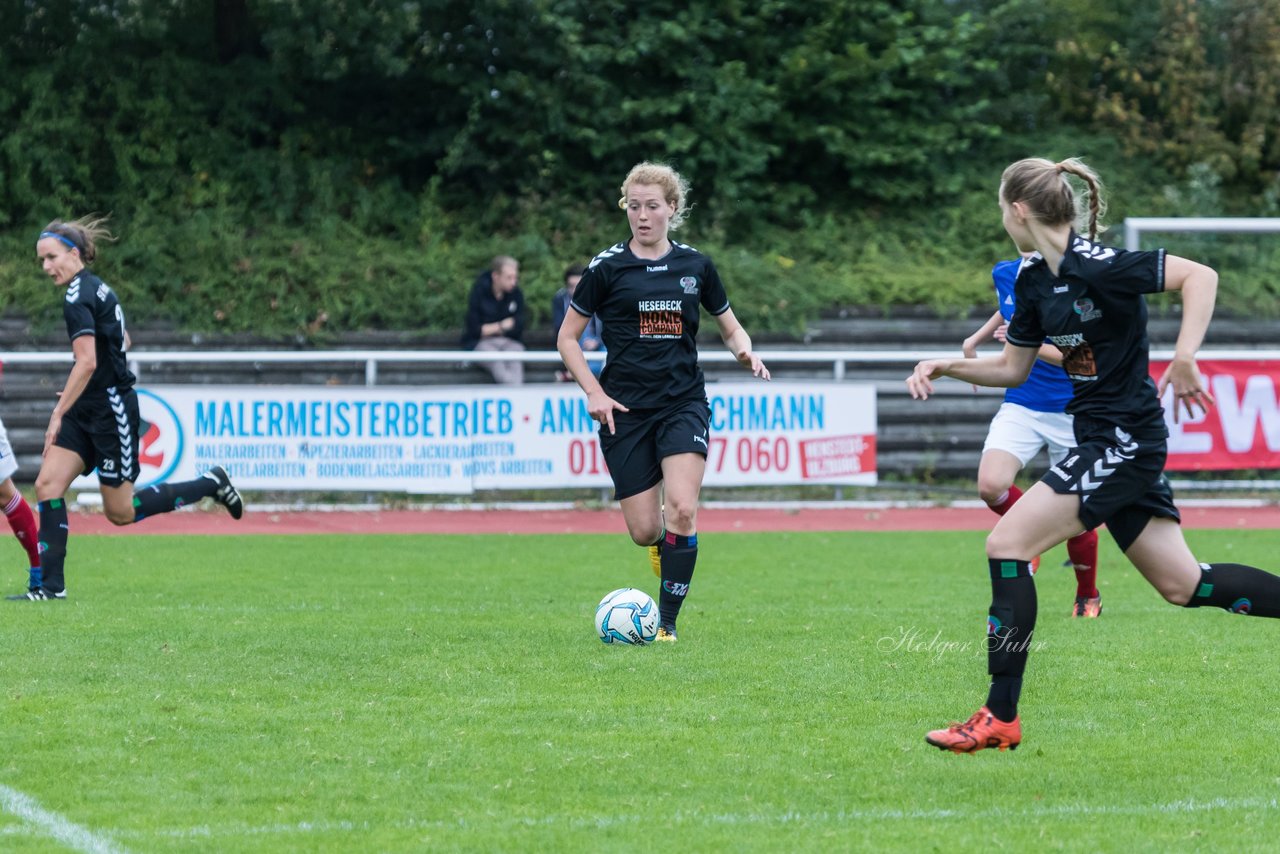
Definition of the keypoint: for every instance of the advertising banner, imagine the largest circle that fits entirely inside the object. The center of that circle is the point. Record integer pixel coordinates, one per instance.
(1241, 431)
(453, 440)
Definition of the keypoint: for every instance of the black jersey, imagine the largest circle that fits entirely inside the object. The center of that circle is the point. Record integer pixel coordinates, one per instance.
(91, 308)
(1095, 313)
(649, 311)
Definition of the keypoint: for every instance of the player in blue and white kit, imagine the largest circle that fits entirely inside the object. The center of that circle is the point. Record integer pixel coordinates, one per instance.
(1032, 417)
(16, 509)
(1089, 301)
(95, 423)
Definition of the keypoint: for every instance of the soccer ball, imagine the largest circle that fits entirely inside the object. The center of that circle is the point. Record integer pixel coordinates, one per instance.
(627, 615)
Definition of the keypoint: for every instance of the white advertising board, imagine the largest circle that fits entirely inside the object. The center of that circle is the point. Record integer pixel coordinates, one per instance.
(453, 440)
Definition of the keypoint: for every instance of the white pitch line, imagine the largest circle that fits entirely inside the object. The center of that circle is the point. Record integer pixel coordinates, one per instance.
(797, 818)
(50, 823)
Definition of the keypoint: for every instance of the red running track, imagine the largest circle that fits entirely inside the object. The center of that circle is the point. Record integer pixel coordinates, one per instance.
(710, 520)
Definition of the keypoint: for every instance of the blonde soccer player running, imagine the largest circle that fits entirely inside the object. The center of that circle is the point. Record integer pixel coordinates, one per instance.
(651, 399)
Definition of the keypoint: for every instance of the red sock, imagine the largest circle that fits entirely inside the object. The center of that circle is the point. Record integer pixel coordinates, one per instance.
(1010, 498)
(1083, 551)
(23, 523)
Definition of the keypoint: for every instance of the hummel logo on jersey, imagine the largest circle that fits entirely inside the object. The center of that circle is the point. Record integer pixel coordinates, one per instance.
(103, 292)
(1060, 289)
(1062, 468)
(659, 269)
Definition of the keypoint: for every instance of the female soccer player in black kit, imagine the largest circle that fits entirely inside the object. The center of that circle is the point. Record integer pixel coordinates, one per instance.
(95, 421)
(1087, 299)
(650, 399)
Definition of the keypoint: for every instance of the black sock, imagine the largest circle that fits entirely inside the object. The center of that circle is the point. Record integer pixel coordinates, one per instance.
(679, 554)
(1002, 697)
(166, 497)
(1237, 588)
(1010, 624)
(53, 543)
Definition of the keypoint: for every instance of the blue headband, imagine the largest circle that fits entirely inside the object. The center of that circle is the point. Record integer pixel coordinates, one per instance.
(71, 244)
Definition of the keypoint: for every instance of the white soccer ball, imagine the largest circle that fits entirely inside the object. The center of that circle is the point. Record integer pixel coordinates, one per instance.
(627, 615)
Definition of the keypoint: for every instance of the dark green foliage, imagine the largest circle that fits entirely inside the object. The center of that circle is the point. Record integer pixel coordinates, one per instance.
(311, 167)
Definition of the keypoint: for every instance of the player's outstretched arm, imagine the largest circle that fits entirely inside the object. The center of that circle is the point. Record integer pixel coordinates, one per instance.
(1199, 286)
(86, 360)
(739, 344)
(984, 333)
(920, 383)
(599, 405)
(1051, 354)
(1008, 369)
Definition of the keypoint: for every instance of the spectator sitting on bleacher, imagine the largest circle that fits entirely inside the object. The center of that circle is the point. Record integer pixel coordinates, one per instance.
(495, 318)
(592, 336)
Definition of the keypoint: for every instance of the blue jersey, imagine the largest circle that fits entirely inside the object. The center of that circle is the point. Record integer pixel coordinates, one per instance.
(1047, 388)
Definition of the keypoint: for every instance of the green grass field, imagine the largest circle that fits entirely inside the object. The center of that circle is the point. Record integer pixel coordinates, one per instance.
(401, 693)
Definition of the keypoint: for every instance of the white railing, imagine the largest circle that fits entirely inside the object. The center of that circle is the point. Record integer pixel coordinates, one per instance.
(838, 359)
(1135, 225)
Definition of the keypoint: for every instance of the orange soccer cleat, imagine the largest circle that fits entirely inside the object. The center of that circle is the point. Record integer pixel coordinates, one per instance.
(1086, 607)
(981, 731)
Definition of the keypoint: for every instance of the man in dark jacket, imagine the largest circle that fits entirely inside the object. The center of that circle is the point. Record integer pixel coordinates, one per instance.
(495, 317)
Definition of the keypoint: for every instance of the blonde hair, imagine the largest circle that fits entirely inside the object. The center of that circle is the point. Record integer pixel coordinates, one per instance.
(499, 262)
(1044, 188)
(675, 189)
(84, 232)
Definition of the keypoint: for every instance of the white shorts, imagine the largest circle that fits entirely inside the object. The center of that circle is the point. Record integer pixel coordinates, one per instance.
(1023, 432)
(8, 463)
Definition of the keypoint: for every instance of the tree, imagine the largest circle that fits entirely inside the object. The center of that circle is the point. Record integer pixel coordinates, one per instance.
(1251, 89)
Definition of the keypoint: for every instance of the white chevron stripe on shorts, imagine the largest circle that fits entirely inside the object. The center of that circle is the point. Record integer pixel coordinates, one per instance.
(1111, 459)
(124, 431)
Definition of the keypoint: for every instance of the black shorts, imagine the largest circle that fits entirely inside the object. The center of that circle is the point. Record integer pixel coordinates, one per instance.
(103, 429)
(645, 437)
(1120, 480)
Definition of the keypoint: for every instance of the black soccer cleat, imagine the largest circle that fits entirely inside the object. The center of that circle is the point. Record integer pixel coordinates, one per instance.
(226, 494)
(37, 594)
